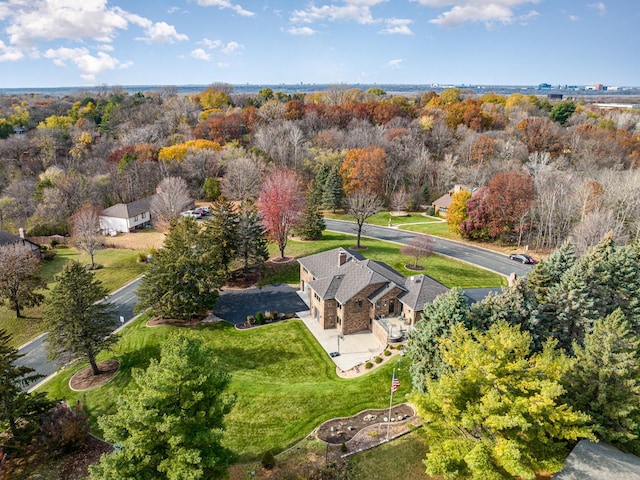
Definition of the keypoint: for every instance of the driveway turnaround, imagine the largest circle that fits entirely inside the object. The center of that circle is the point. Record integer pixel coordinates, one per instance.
(235, 305)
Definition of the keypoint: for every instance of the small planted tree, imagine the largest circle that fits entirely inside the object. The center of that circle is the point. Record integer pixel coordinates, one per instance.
(361, 205)
(420, 246)
(86, 230)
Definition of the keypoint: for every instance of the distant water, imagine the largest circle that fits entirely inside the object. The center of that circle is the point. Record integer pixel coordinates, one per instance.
(406, 89)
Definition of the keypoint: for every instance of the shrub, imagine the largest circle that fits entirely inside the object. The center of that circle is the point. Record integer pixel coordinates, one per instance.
(48, 255)
(259, 318)
(53, 243)
(378, 360)
(368, 365)
(400, 346)
(274, 314)
(343, 448)
(387, 352)
(141, 257)
(96, 266)
(268, 460)
(65, 429)
(250, 320)
(267, 316)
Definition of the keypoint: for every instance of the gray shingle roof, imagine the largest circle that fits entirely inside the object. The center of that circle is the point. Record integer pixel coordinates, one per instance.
(324, 264)
(420, 290)
(598, 461)
(129, 210)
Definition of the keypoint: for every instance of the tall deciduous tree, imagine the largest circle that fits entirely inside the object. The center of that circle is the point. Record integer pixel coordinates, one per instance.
(363, 169)
(19, 280)
(172, 197)
(172, 424)
(420, 246)
(435, 324)
(498, 408)
(85, 225)
(361, 205)
(457, 212)
(184, 276)
(243, 178)
(605, 381)
(281, 201)
(79, 323)
(20, 412)
(252, 240)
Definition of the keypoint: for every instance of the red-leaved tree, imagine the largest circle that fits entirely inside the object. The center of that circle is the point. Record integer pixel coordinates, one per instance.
(281, 201)
(420, 246)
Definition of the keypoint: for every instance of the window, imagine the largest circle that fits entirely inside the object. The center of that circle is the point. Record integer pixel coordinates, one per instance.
(339, 305)
(316, 296)
(358, 305)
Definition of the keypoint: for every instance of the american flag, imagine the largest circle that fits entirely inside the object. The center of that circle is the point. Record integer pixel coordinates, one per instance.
(395, 383)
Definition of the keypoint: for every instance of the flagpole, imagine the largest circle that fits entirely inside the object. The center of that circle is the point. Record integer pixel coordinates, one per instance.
(390, 402)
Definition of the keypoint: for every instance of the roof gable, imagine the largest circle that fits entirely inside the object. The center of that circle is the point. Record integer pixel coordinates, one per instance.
(421, 289)
(129, 210)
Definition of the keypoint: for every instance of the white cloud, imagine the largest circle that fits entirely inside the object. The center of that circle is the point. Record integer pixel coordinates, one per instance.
(210, 44)
(351, 10)
(200, 54)
(574, 18)
(9, 53)
(231, 47)
(397, 26)
(88, 64)
(223, 64)
(487, 11)
(162, 32)
(225, 4)
(394, 64)
(301, 31)
(600, 7)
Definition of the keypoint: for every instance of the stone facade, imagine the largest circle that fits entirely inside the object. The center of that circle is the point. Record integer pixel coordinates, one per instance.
(355, 314)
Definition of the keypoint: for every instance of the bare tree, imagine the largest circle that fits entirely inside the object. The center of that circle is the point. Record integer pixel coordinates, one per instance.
(243, 178)
(20, 284)
(85, 225)
(362, 204)
(172, 197)
(399, 200)
(420, 246)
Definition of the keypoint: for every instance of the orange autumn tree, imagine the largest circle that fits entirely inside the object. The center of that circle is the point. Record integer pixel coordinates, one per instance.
(363, 170)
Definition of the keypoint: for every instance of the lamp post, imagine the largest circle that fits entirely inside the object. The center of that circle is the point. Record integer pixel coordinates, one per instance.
(340, 337)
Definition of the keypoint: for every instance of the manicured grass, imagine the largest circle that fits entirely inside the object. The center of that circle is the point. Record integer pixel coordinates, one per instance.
(401, 458)
(447, 271)
(119, 268)
(382, 218)
(436, 229)
(284, 382)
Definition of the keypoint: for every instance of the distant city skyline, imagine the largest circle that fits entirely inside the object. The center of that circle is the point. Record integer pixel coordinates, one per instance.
(58, 43)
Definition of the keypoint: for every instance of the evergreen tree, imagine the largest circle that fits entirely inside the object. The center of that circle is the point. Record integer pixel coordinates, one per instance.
(20, 284)
(311, 223)
(436, 321)
(20, 412)
(220, 233)
(184, 277)
(78, 326)
(497, 412)
(549, 271)
(332, 192)
(605, 381)
(172, 423)
(252, 240)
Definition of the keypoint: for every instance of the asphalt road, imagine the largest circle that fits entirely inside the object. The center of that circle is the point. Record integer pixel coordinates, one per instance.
(34, 352)
(481, 257)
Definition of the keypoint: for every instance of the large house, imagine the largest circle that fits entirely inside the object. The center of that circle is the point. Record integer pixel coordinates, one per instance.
(351, 294)
(441, 205)
(126, 217)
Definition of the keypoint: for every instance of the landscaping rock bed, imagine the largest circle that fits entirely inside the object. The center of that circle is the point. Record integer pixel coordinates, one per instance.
(341, 430)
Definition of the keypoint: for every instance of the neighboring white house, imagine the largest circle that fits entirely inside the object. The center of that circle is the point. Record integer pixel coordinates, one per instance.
(125, 217)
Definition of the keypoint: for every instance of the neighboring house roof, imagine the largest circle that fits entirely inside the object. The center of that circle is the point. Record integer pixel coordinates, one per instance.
(420, 290)
(443, 202)
(129, 210)
(7, 238)
(342, 281)
(597, 461)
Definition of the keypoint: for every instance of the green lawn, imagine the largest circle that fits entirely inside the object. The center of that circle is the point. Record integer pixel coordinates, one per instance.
(382, 218)
(284, 382)
(401, 458)
(119, 268)
(447, 271)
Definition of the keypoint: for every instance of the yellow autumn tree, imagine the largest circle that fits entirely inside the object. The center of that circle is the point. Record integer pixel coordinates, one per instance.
(363, 170)
(457, 212)
(179, 151)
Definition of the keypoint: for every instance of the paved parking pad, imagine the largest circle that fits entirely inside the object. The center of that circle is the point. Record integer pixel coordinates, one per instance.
(235, 305)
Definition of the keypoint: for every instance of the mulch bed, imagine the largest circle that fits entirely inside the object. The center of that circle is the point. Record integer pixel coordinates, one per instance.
(76, 464)
(415, 268)
(241, 279)
(341, 430)
(85, 379)
(281, 260)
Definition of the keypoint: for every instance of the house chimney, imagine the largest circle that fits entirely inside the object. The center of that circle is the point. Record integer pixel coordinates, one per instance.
(342, 257)
(21, 233)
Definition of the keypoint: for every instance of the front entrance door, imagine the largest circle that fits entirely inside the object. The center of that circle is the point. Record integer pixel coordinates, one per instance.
(391, 307)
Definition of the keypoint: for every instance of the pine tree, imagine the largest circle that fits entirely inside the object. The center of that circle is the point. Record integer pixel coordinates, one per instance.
(171, 424)
(549, 271)
(332, 192)
(78, 326)
(435, 323)
(184, 276)
(311, 223)
(252, 241)
(605, 381)
(20, 412)
(497, 410)
(220, 233)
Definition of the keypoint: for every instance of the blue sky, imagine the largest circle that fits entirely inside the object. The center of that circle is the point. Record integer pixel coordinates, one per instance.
(55, 43)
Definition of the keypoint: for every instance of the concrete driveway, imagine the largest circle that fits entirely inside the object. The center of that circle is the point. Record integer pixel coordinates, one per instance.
(235, 305)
